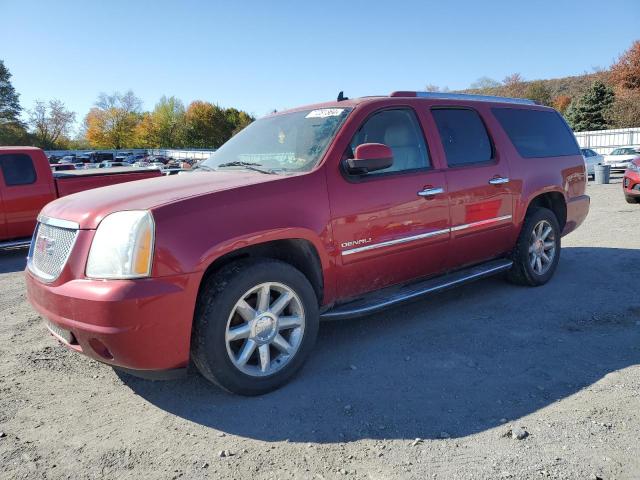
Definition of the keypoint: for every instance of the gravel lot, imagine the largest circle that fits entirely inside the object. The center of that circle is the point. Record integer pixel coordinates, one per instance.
(441, 388)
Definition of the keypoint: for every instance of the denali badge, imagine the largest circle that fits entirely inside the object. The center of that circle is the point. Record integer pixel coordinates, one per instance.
(352, 243)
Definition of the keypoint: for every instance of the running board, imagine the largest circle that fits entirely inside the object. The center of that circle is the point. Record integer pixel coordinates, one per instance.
(387, 297)
(11, 244)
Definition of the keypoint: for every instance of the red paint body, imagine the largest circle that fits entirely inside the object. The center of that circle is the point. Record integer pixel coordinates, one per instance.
(631, 181)
(201, 217)
(20, 204)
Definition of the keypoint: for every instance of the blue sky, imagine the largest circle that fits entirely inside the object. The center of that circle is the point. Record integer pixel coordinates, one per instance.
(261, 55)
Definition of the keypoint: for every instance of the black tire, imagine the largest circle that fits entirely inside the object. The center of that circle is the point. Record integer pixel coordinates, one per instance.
(216, 301)
(631, 199)
(522, 273)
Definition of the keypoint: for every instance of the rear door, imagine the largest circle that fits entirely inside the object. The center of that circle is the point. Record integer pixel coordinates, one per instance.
(385, 228)
(26, 188)
(480, 192)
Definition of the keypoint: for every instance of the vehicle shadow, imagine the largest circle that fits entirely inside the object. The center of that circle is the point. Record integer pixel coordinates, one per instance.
(452, 365)
(13, 260)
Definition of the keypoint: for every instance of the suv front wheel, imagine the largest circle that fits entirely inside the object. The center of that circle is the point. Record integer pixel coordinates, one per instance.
(537, 251)
(255, 324)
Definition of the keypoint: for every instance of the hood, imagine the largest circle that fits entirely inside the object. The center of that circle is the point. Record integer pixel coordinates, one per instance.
(621, 158)
(88, 208)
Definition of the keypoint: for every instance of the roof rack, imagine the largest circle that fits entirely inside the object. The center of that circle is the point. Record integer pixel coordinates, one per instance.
(463, 96)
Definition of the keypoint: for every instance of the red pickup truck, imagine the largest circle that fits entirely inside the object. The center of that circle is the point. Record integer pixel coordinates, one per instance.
(327, 211)
(27, 184)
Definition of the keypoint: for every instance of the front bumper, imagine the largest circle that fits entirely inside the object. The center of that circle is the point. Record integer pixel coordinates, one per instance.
(631, 184)
(618, 165)
(135, 324)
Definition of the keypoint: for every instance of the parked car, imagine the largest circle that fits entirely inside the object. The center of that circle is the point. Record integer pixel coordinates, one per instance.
(620, 158)
(68, 159)
(27, 184)
(329, 211)
(140, 164)
(60, 167)
(591, 159)
(631, 182)
(113, 164)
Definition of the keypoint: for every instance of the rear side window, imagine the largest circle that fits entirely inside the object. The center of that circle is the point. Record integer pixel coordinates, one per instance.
(17, 169)
(464, 136)
(537, 133)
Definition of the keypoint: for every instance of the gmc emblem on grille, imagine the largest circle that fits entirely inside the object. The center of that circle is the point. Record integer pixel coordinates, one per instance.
(45, 245)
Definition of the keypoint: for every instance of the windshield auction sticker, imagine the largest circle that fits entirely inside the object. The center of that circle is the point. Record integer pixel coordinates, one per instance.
(325, 112)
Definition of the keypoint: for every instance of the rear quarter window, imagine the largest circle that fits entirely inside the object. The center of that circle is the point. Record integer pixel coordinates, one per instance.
(537, 133)
(17, 169)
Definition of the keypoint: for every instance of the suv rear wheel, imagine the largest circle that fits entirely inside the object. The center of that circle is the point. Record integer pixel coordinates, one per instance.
(537, 251)
(255, 324)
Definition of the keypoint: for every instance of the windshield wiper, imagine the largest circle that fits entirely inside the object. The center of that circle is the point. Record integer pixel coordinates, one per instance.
(248, 165)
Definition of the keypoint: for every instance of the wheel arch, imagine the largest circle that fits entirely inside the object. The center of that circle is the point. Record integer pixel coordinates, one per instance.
(552, 200)
(300, 253)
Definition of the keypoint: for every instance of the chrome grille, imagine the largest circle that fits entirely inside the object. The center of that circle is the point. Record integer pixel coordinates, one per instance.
(50, 249)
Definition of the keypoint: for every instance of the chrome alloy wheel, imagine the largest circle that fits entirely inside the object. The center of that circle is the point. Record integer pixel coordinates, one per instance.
(542, 247)
(265, 329)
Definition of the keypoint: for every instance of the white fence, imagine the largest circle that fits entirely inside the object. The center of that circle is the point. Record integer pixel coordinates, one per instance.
(178, 154)
(604, 141)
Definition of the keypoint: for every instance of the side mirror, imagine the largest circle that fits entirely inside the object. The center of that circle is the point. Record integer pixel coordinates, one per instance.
(370, 157)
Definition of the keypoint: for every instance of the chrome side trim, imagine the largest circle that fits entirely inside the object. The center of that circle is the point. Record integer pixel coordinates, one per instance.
(395, 242)
(488, 221)
(413, 238)
(57, 222)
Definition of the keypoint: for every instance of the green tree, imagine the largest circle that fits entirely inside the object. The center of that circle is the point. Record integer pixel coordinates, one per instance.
(12, 130)
(590, 112)
(538, 92)
(168, 118)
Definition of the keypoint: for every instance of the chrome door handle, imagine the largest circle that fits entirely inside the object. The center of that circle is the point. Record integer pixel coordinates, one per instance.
(499, 181)
(430, 192)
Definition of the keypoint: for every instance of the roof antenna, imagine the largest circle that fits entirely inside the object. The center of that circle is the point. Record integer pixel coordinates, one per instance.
(341, 97)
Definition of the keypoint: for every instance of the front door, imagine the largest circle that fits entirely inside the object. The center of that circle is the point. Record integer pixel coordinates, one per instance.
(480, 191)
(390, 226)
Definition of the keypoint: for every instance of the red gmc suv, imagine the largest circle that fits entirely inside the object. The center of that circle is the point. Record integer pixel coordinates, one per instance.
(327, 211)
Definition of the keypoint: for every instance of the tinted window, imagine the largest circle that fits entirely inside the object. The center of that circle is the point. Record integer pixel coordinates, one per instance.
(17, 169)
(537, 133)
(399, 130)
(464, 137)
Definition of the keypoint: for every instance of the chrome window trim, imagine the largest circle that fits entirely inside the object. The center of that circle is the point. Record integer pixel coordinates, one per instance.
(57, 222)
(413, 238)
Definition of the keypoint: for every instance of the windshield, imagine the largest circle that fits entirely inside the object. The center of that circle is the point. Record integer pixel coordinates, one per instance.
(280, 143)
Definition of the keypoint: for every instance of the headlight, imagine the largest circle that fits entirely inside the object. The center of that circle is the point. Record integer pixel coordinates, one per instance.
(122, 246)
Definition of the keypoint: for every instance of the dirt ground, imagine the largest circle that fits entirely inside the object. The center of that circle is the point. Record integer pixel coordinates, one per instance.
(440, 388)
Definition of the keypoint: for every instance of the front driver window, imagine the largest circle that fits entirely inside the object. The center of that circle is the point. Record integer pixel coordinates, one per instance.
(398, 129)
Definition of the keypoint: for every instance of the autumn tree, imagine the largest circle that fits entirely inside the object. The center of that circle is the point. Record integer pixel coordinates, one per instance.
(51, 123)
(538, 92)
(485, 85)
(561, 103)
(112, 122)
(625, 73)
(591, 111)
(168, 118)
(513, 85)
(12, 130)
(206, 125)
(237, 120)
